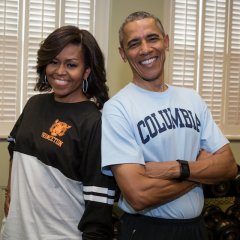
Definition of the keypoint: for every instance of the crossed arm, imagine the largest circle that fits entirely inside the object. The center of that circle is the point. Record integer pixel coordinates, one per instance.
(142, 191)
(155, 183)
(208, 169)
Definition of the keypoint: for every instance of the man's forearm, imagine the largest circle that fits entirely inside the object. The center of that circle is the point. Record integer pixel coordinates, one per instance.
(142, 191)
(207, 169)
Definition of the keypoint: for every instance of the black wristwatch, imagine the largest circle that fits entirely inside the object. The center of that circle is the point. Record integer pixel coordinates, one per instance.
(184, 170)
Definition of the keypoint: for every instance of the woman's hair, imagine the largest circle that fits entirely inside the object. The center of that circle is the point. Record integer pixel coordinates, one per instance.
(138, 16)
(93, 58)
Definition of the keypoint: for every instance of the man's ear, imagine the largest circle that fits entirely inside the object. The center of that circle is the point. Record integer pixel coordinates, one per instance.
(122, 53)
(166, 41)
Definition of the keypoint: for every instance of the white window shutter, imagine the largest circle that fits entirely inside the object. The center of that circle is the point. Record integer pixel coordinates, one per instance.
(213, 52)
(205, 55)
(9, 53)
(183, 45)
(40, 20)
(23, 25)
(232, 114)
(79, 13)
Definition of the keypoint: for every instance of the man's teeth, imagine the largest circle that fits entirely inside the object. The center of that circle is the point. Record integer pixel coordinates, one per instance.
(148, 61)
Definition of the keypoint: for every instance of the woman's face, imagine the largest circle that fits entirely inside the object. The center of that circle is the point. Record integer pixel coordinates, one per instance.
(65, 74)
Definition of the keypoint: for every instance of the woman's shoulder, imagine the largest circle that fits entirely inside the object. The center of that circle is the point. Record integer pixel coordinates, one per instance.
(40, 96)
(38, 99)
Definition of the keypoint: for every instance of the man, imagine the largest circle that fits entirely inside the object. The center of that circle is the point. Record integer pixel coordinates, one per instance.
(153, 135)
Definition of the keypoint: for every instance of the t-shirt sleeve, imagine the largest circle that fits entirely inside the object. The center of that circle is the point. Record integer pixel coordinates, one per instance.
(12, 136)
(119, 144)
(98, 191)
(212, 137)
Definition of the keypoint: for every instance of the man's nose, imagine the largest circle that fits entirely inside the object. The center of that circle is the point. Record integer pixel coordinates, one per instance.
(145, 47)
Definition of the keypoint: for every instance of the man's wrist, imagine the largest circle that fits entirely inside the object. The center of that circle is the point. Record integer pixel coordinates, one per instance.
(184, 170)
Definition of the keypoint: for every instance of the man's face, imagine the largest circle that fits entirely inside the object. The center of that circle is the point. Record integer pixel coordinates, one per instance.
(144, 49)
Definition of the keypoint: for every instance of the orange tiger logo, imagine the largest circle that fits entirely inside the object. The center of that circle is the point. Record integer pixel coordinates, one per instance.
(59, 128)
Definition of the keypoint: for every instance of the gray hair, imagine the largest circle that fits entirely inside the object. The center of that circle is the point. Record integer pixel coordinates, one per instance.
(138, 16)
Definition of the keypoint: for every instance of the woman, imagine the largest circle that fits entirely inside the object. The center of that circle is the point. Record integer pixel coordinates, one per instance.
(57, 189)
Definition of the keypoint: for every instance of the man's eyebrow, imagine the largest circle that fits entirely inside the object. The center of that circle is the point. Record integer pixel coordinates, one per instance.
(147, 36)
(154, 35)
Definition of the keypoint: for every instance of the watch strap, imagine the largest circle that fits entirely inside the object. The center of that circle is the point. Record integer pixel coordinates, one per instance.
(184, 170)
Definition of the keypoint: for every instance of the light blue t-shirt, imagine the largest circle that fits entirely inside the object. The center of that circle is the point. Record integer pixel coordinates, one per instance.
(139, 126)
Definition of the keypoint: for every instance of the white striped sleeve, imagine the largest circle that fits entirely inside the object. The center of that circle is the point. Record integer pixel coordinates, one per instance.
(98, 194)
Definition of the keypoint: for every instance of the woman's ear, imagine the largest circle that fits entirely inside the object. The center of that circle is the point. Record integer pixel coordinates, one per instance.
(86, 73)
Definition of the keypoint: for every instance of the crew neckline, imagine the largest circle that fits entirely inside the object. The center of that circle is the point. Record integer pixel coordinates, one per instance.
(166, 92)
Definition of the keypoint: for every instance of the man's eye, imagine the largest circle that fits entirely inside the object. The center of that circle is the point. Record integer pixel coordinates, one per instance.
(133, 44)
(153, 38)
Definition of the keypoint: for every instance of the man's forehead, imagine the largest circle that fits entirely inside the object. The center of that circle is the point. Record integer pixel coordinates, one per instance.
(141, 29)
(147, 24)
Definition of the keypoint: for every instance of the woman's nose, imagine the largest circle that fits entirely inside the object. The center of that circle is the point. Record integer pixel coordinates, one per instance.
(61, 69)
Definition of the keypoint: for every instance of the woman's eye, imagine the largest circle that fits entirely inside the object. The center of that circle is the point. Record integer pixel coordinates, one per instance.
(71, 65)
(53, 62)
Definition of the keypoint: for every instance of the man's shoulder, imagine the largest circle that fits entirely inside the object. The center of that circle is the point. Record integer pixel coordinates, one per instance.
(121, 95)
(187, 92)
(183, 89)
(120, 102)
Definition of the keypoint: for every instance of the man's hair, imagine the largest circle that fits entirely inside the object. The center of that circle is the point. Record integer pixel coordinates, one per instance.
(138, 16)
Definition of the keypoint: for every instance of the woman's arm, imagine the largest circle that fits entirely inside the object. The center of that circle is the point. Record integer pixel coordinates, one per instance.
(8, 191)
